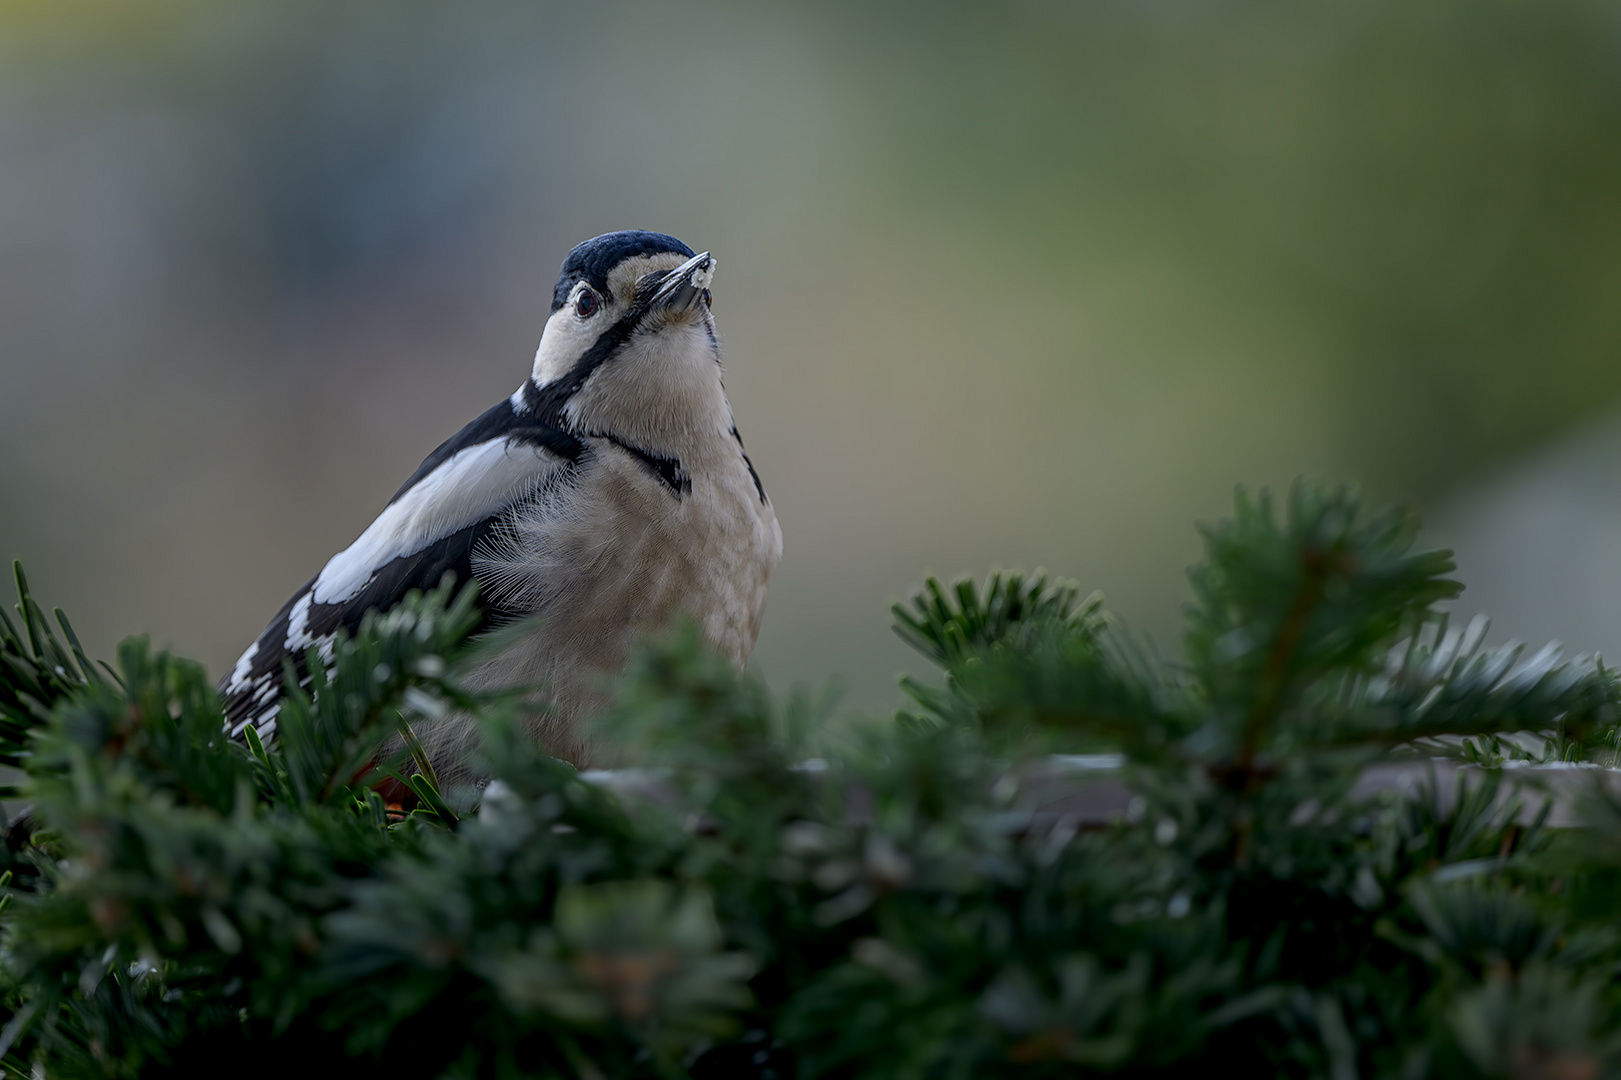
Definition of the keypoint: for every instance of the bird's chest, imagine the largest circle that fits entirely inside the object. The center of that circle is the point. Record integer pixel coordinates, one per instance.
(637, 540)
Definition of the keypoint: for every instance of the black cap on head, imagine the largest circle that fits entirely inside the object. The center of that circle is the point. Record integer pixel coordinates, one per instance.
(591, 260)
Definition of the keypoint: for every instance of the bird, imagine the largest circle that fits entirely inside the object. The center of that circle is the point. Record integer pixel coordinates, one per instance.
(609, 495)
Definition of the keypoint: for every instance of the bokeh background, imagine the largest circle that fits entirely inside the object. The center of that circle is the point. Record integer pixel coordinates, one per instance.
(1028, 283)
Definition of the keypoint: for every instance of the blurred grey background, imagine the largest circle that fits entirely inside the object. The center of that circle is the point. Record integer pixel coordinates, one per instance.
(1017, 283)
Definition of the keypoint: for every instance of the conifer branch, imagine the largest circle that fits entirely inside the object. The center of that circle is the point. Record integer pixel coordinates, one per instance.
(940, 895)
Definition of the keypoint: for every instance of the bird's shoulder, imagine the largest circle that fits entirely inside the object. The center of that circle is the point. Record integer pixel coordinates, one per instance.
(457, 499)
(511, 420)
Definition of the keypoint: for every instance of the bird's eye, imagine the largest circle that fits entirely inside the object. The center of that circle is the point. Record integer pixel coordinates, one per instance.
(709, 301)
(586, 305)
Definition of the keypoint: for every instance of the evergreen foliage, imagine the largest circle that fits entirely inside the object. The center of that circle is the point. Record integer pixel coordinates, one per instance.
(909, 901)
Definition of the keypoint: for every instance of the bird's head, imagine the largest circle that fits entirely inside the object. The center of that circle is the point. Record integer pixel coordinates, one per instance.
(630, 346)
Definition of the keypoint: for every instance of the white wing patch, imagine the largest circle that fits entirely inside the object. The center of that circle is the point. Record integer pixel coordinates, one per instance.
(467, 487)
(240, 673)
(298, 625)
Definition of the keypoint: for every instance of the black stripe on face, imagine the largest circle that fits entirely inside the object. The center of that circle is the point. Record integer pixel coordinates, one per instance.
(550, 399)
(547, 401)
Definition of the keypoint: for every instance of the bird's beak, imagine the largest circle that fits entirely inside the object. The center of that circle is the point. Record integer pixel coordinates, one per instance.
(682, 290)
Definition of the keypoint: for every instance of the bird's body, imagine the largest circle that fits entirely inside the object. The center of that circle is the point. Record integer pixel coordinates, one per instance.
(608, 495)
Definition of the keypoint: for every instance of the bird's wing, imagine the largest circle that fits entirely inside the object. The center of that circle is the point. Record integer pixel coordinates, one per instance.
(454, 500)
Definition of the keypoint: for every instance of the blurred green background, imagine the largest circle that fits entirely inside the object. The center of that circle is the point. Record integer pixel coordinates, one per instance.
(1028, 283)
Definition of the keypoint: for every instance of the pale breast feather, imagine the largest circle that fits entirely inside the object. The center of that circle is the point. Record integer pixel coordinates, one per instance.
(452, 503)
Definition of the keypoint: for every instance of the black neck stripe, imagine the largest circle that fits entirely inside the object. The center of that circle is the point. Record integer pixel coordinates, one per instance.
(759, 487)
(667, 470)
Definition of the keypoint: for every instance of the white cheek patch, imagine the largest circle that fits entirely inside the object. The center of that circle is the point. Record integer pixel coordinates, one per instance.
(702, 278)
(465, 489)
(560, 344)
(567, 338)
